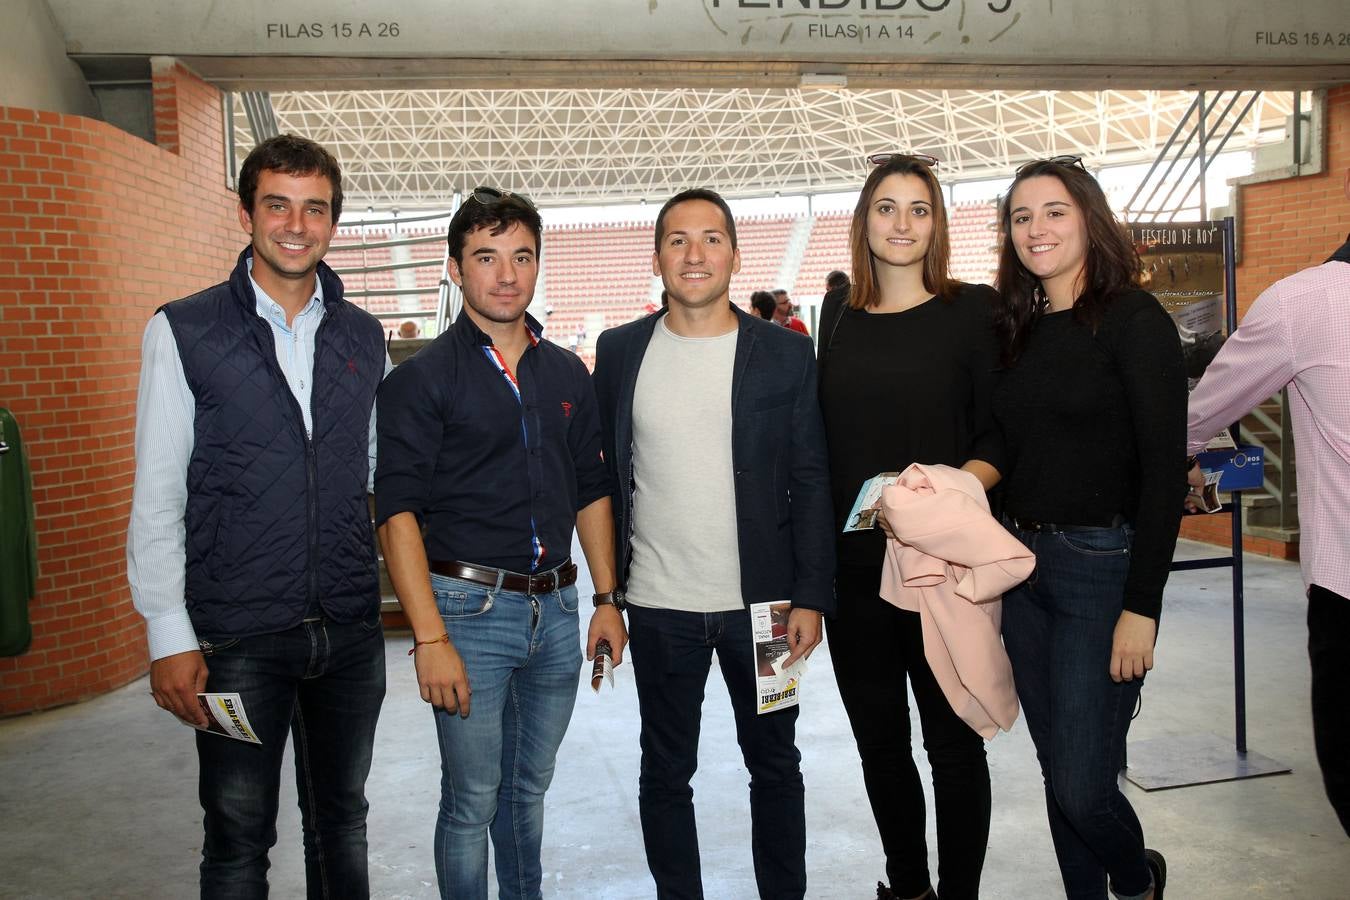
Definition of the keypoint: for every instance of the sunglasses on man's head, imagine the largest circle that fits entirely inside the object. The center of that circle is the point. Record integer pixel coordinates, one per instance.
(1075, 162)
(487, 196)
(923, 159)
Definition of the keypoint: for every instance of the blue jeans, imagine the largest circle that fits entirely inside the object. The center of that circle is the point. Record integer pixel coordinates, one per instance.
(672, 653)
(324, 682)
(523, 657)
(1058, 627)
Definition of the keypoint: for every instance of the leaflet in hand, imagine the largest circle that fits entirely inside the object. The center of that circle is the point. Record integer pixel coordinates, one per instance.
(603, 667)
(863, 515)
(226, 716)
(777, 686)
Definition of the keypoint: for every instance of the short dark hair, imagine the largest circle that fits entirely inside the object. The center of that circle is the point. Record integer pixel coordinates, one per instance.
(779, 292)
(497, 216)
(289, 154)
(836, 280)
(696, 194)
(763, 304)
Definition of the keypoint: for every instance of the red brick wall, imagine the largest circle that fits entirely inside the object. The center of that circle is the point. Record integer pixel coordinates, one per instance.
(1293, 223)
(97, 229)
(1287, 225)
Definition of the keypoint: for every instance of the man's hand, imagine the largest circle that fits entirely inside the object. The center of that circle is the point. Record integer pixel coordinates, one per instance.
(442, 678)
(607, 623)
(1132, 646)
(1195, 478)
(803, 634)
(176, 681)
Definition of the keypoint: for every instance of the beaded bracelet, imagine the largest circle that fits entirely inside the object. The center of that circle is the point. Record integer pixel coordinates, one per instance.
(443, 639)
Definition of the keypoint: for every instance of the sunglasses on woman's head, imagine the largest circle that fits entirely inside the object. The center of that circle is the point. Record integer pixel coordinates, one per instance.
(881, 159)
(1075, 162)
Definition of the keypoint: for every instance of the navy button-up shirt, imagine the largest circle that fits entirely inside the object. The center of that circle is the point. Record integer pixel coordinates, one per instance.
(495, 464)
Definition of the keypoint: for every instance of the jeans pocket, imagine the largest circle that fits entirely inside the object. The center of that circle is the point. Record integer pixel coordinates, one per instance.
(1103, 542)
(462, 604)
(568, 600)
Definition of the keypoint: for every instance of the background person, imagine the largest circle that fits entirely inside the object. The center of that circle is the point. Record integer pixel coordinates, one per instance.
(907, 360)
(1093, 409)
(1297, 334)
(785, 312)
(763, 305)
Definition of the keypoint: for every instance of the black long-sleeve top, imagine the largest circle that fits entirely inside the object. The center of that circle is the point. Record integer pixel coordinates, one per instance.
(1095, 427)
(900, 388)
(494, 471)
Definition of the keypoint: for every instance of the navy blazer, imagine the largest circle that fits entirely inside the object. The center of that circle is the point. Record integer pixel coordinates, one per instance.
(785, 522)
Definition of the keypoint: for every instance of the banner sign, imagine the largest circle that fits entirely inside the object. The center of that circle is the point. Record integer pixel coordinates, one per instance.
(1045, 32)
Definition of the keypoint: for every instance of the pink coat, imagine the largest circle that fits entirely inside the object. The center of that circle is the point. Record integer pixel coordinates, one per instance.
(951, 563)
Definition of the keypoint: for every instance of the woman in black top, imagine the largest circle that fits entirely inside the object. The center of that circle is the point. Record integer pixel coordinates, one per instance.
(1092, 406)
(906, 364)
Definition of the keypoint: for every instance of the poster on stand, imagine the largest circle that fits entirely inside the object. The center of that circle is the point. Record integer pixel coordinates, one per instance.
(1183, 267)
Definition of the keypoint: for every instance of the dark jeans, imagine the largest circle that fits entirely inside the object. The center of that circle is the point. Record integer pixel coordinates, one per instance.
(672, 653)
(1329, 648)
(875, 648)
(324, 683)
(1058, 626)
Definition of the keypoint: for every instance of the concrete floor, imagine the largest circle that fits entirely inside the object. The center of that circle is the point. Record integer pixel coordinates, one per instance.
(99, 799)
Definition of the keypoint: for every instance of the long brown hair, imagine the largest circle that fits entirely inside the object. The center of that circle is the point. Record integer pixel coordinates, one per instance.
(936, 277)
(1111, 265)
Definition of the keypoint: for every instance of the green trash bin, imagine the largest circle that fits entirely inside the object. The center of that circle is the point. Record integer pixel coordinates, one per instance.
(18, 540)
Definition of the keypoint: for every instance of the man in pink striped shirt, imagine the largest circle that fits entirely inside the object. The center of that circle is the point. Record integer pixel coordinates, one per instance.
(1297, 334)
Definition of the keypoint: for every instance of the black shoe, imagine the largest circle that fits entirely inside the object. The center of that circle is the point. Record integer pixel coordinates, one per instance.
(885, 893)
(1158, 867)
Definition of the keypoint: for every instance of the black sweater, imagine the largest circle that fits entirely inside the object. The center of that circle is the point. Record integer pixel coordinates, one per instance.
(900, 388)
(1095, 426)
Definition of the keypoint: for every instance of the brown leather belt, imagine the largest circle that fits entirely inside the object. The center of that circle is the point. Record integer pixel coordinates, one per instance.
(543, 583)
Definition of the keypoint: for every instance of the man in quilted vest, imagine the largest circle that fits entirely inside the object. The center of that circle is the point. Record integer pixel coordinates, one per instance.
(250, 551)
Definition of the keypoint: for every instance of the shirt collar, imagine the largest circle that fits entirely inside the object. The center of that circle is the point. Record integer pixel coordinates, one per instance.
(467, 330)
(267, 308)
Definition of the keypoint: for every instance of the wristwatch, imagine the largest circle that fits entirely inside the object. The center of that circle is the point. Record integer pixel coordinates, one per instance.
(615, 598)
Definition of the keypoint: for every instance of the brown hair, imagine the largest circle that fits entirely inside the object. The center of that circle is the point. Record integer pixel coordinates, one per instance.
(936, 277)
(289, 155)
(1110, 267)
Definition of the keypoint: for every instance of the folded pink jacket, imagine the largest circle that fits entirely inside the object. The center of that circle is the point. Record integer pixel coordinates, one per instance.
(950, 563)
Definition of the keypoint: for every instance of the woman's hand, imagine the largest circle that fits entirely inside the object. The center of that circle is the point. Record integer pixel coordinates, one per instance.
(1132, 646)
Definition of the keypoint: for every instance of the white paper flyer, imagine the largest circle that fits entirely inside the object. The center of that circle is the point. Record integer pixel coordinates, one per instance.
(778, 687)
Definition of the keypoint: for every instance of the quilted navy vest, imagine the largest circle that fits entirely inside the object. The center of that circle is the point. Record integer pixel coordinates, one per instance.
(276, 523)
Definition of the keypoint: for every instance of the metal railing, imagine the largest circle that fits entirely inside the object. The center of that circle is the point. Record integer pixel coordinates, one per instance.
(1176, 175)
(1200, 135)
(447, 294)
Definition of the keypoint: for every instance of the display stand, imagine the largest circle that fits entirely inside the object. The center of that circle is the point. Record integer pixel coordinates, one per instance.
(1179, 761)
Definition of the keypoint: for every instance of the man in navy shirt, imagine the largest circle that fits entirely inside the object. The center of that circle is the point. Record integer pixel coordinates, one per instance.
(489, 455)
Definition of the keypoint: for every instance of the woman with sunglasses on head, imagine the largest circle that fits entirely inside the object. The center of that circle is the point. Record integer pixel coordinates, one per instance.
(906, 365)
(1092, 406)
